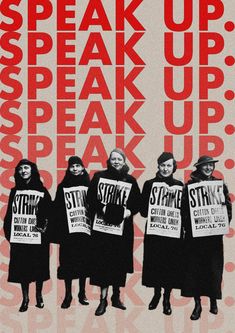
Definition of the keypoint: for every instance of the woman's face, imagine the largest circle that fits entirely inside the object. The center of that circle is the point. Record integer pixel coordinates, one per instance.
(76, 169)
(25, 172)
(166, 168)
(117, 161)
(207, 169)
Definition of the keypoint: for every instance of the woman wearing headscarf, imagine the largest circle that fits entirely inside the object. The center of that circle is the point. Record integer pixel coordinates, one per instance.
(162, 263)
(73, 229)
(25, 224)
(204, 257)
(113, 198)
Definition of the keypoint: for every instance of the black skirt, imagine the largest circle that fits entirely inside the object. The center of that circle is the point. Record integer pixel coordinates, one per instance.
(74, 257)
(28, 263)
(163, 264)
(110, 260)
(204, 260)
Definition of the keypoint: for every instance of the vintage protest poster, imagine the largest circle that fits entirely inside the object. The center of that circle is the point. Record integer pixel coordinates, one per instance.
(115, 192)
(164, 216)
(80, 77)
(207, 209)
(76, 209)
(24, 220)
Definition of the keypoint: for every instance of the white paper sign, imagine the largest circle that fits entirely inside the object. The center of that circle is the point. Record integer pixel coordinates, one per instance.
(164, 218)
(75, 203)
(208, 212)
(111, 191)
(24, 209)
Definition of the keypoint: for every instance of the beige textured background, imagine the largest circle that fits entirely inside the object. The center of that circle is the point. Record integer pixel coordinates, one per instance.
(150, 82)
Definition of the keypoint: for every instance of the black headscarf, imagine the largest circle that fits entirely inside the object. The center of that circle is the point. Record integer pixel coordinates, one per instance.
(34, 181)
(72, 180)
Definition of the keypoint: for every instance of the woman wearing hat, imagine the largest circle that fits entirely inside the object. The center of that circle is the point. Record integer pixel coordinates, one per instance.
(162, 253)
(73, 229)
(203, 255)
(24, 226)
(113, 199)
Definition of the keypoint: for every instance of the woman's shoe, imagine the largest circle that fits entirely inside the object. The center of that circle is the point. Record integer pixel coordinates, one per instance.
(213, 307)
(66, 302)
(101, 307)
(154, 302)
(82, 299)
(167, 307)
(196, 314)
(24, 305)
(40, 303)
(117, 303)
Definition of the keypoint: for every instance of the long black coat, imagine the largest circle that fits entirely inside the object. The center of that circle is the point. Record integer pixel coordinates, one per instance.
(203, 256)
(29, 262)
(74, 253)
(162, 264)
(112, 255)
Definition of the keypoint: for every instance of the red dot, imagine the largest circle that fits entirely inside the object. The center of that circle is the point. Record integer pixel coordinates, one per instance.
(231, 233)
(229, 94)
(229, 266)
(229, 26)
(232, 197)
(229, 301)
(229, 129)
(229, 164)
(229, 60)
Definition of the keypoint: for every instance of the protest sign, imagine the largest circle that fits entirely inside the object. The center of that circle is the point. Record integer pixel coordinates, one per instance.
(208, 212)
(24, 210)
(75, 203)
(164, 218)
(115, 192)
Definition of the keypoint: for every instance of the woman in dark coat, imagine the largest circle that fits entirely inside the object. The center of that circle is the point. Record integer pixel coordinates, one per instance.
(74, 242)
(162, 265)
(113, 199)
(29, 259)
(204, 256)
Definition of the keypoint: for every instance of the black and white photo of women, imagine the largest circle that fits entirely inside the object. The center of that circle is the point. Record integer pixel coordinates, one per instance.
(113, 198)
(204, 256)
(162, 264)
(25, 225)
(74, 243)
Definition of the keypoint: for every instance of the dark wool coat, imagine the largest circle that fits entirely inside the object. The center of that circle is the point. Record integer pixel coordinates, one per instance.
(74, 253)
(203, 256)
(112, 255)
(29, 262)
(162, 264)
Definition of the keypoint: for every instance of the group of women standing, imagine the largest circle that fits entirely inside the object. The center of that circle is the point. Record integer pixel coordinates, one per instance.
(93, 223)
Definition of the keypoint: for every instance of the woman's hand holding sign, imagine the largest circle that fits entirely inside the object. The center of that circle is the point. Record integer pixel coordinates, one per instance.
(42, 230)
(127, 213)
